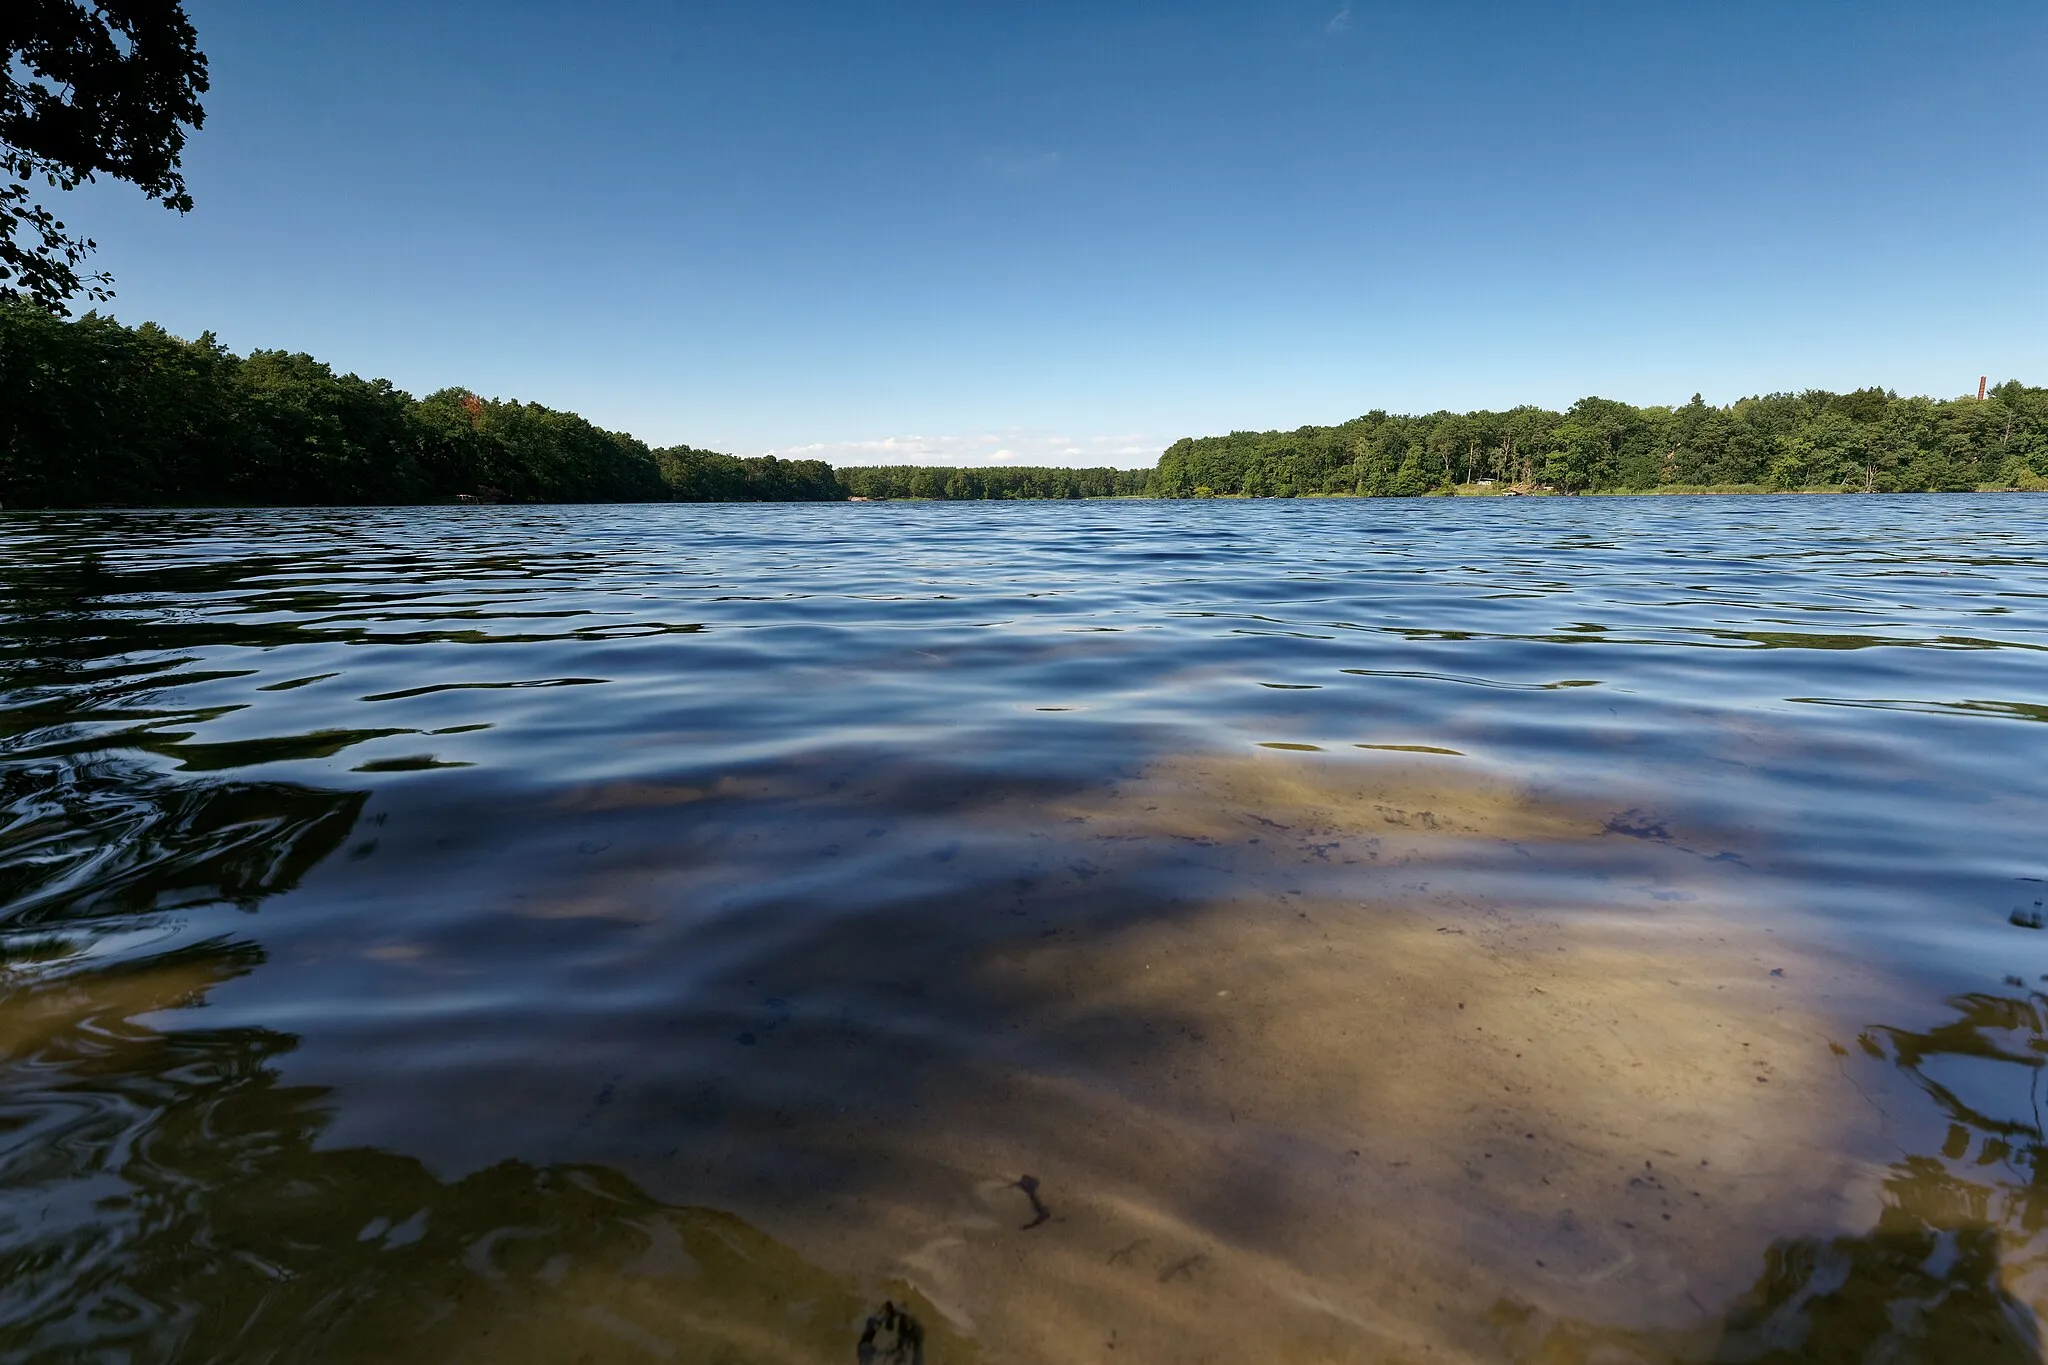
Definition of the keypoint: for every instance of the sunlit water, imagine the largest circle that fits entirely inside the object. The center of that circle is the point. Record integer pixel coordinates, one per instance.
(667, 933)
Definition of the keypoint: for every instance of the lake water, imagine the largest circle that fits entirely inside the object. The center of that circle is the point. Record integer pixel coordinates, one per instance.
(1555, 930)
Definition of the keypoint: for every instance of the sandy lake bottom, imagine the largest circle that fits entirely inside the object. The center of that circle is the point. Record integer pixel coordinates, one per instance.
(1600, 932)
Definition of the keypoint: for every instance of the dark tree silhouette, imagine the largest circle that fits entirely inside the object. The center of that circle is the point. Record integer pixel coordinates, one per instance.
(87, 90)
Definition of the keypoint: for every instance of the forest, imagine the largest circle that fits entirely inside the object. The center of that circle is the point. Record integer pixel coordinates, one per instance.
(1870, 440)
(880, 482)
(97, 414)
(94, 413)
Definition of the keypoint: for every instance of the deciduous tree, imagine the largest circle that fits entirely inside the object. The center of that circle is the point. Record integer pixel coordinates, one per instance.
(88, 89)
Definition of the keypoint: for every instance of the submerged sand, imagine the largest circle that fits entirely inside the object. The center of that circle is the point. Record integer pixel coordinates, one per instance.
(1380, 1114)
(1380, 1131)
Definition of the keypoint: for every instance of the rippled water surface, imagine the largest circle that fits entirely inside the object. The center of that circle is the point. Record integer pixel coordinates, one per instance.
(1549, 930)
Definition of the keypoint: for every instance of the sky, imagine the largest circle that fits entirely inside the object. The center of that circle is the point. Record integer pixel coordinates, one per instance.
(1064, 233)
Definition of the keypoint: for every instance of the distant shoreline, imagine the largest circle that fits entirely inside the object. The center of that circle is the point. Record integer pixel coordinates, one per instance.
(94, 413)
(443, 504)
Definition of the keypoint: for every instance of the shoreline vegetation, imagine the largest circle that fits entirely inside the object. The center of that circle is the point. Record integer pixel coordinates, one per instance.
(94, 413)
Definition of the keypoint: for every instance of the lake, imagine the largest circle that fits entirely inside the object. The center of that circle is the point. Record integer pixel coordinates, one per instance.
(1545, 930)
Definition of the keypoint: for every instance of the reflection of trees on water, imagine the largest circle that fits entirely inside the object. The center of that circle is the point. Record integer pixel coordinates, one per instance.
(88, 831)
(163, 1197)
(87, 840)
(1956, 1268)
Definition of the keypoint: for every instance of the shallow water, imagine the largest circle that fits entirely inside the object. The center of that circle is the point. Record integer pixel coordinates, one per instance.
(668, 933)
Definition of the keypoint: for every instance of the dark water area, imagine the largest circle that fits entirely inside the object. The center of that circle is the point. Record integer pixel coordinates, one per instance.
(670, 932)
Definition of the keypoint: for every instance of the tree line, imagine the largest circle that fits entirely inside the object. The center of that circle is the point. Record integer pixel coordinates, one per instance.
(96, 413)
(879, 482)
(1870, 440)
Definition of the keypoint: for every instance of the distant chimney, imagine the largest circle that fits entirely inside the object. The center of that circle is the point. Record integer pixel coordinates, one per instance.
(1980, 386)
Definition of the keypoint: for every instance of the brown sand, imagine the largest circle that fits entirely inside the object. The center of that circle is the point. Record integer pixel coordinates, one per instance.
(1370, 1124)
(1374, 1126)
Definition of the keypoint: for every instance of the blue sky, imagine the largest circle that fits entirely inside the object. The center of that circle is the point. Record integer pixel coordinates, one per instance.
(1070, 233)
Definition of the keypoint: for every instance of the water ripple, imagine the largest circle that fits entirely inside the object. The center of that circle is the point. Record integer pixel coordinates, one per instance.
(837, 866)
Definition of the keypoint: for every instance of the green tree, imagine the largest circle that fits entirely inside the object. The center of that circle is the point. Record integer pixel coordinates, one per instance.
(94, 412)
(108, 87)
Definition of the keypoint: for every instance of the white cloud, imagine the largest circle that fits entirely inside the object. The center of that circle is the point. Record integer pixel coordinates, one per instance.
(1014, 446)
(1339, 21)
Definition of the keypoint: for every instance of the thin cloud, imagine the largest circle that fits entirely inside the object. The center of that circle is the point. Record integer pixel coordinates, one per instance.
(1339, 21)
(1015, 446)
